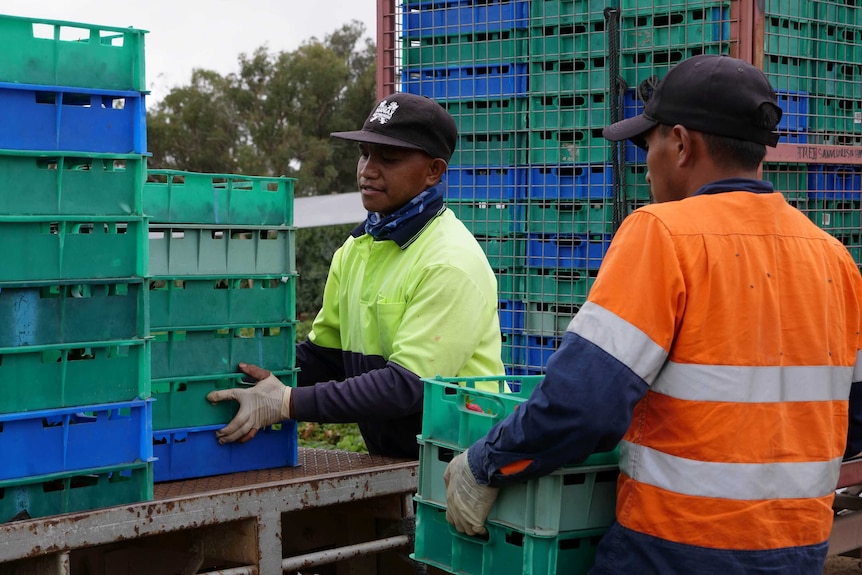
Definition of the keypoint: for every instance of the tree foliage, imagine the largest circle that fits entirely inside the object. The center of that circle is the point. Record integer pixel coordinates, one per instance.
(273, 117)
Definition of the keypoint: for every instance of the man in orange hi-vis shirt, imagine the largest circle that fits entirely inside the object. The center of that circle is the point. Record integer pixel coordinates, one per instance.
(719, 347)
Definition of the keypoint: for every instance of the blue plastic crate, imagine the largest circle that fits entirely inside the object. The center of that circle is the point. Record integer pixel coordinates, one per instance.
(514, 350)
(593, 181)
(482, 81)
(539, 349)
(834, 182)
(633, 106)
(485, 182)
(511, 314)
(51, 118)
(569, 251)
(72, 439)
(794, 106)
(195, 452)
(792, 138)
(444, 17)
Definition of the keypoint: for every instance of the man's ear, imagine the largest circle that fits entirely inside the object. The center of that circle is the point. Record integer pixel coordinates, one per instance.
(436, 169)
(683, 139)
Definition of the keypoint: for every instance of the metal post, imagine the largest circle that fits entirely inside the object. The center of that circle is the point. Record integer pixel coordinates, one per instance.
(343, 553)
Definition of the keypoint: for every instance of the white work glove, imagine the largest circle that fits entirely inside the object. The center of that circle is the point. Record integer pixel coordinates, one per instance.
(467, 503)
(267, 403)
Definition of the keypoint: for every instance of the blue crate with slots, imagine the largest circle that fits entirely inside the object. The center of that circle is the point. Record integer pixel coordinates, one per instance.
(564, 251)
(457, 16)
(480, 81)
(540, 348)
(53, 118)
(485, 183)
(195, 452)
(590, 181)
(511, 314)
(834, 182)
(61, 440)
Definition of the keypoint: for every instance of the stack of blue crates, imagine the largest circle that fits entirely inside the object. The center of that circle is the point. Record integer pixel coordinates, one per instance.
(222, 291)
(75, 420)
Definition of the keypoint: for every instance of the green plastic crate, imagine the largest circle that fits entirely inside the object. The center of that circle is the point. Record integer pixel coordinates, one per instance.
(830, 114)
(563, 12)
(788, 73)
(72, 248)
(789, 36)
(504, 550)
(568, 499)
(839, 79)
(44, 495)
(489, 218)
(72, 313)
(680, 28)
(569, 75)
(838, 217)
(548, 318)
(468, 48)
(475, 116)
(553, 41)
(649, 6)
(194, 302)
(636, 184)
(638, 66)
(563, 111)
(565, 287)
(488, 149)
(791, 8)
(41, 183)
(61, 53)
(504, 251)
(185, 250)
(840, 12)
(511, 282)
(217, 352)
(182, 403)
(789, 179)
(570, 217)
(54, 376)
(172, 196)
(580, 146)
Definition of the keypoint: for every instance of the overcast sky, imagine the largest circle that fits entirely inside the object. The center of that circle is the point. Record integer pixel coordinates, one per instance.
(188, 34)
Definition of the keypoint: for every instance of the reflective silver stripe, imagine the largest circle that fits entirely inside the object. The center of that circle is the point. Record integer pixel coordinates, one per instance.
(745, 384)
(738, 481)
(620, 339)
(857, 372)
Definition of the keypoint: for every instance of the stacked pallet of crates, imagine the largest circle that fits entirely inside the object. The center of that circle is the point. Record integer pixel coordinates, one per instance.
(74, 356)
(222, 291)
(812, 55)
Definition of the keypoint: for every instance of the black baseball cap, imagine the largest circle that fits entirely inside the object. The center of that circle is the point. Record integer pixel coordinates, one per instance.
(408, 121)
(710, 93)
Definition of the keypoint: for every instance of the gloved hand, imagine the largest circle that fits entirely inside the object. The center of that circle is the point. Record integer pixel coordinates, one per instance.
(467, 503)
(267, 403)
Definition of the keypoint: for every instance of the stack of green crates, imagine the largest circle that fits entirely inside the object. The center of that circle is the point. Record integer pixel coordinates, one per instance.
(73, 299)
(542, 526)
(222, 291)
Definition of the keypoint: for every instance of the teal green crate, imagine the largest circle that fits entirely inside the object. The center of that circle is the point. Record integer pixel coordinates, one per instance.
(488, 149)
(68, 313)
(70, 183)
(789, 36)
(176, 197)
(836, 41)
(567, 75)
(188, 250)
(504, 251)
(193, 302)
(564, 111)
(788, 73)
(40, 248)
(791, 8)
(564, 12)
(477, 116)
(567, 287)
(569, 217)
(218, 352)
(71, 375)
(513, 348)
(837, 12)
(568, 499)
(511, 282)
(543, 318)
(503, 550)
(842, 80)
(62, 53)
(838, 217)
(650, 6)
(553, 41)
(468, 48)
(833, 114)
(45, 495)
(490, 218)
(568, 146)
(789, 179)
(680, 28)
(636, 187)
(638, 66)
(181, 403)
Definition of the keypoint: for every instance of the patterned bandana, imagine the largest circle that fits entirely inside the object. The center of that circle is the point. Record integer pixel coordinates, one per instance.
(380, 227)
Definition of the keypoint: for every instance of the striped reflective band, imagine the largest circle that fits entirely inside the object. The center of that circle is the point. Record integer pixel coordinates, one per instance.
(857, 372)
(620, 339)
(738, 481)
(745, 384)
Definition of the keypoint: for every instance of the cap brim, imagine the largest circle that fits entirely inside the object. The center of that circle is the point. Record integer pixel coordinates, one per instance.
(629, 129)
(374, 138)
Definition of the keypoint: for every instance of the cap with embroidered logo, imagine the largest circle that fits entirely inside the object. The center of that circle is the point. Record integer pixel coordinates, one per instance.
(408, 121)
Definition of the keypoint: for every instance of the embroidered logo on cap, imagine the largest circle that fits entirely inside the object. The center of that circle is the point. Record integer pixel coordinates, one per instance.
(384, 112)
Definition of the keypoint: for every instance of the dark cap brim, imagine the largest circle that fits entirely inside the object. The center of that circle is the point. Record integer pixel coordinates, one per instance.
(629, 129)
(374, 138)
